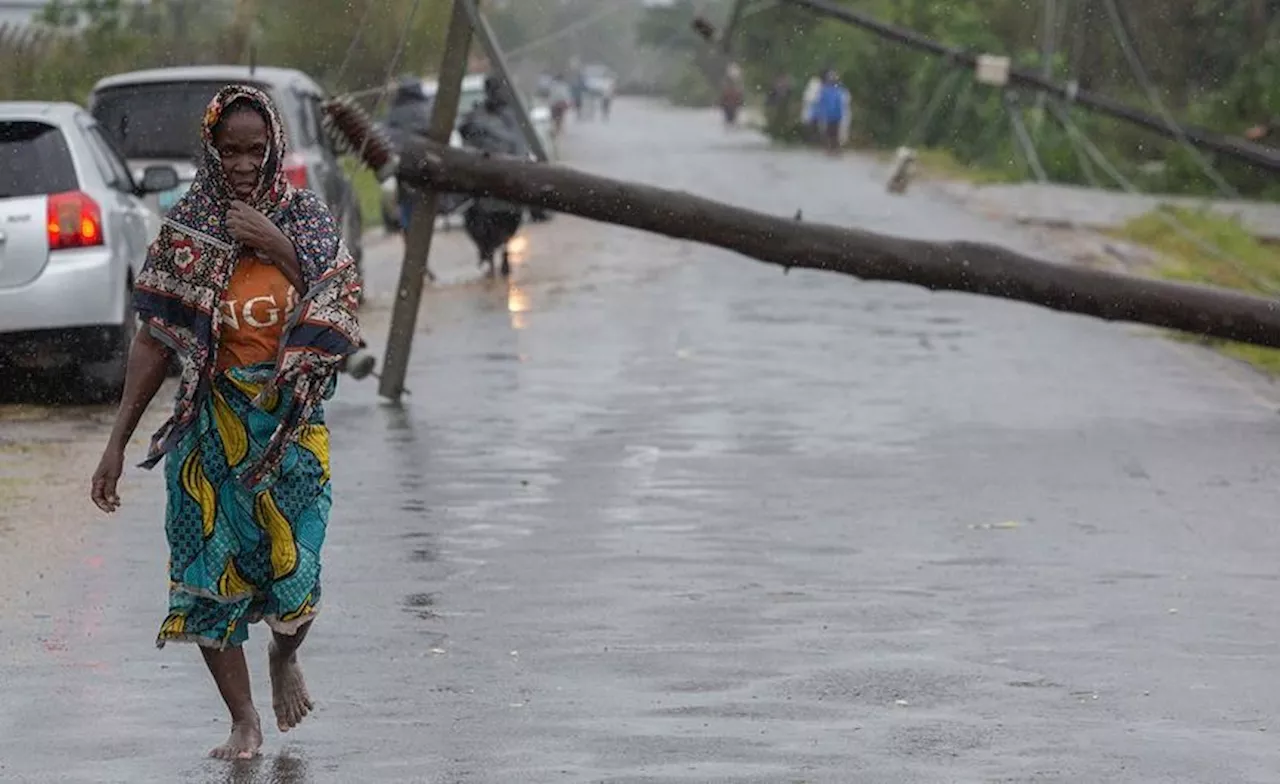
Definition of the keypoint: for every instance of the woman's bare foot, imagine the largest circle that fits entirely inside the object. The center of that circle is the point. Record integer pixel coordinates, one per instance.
(288, 691)
(244, 743)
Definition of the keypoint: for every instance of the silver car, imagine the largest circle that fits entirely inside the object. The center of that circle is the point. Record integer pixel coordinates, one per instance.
(74, 230)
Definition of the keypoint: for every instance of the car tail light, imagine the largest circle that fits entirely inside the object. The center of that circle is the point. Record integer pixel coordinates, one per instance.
(295, 170)
(74, 221)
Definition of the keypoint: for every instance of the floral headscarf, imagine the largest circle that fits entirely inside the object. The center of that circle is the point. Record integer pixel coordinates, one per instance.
(189, 266)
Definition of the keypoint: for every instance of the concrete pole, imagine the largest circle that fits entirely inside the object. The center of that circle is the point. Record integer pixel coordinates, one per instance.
(498, 61)
(422, 221)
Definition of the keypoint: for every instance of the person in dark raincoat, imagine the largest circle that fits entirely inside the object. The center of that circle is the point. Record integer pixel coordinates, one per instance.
(409, 116)
(491, 127)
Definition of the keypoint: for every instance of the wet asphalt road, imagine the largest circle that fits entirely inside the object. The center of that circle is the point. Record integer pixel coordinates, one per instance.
(655, 513)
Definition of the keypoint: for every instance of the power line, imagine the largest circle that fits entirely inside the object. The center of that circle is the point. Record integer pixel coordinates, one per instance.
(1153, 94)
(355, 40)
(537, 43)
(1261, 156)
(940, 93)
(1078, 137)
(1023, 138)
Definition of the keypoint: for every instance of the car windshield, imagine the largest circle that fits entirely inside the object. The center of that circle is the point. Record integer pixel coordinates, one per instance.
(466, 101)
(34, 160)
(160, 120)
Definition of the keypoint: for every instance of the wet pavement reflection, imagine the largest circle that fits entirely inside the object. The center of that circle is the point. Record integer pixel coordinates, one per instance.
(656, 513)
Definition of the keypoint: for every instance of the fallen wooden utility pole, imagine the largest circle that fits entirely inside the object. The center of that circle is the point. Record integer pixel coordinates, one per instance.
(1259, 155)
(971, 267)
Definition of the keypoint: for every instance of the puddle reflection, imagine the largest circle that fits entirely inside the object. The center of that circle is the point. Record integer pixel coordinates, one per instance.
(517, 249)
(517, 305)
(287, 767)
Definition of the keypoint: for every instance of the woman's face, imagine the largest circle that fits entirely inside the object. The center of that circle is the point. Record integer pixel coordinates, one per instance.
(241, 141)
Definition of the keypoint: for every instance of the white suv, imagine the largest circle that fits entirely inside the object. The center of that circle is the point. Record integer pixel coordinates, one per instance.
(74, 231)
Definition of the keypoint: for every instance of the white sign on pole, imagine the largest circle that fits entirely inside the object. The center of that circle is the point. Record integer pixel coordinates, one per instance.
(992, 69)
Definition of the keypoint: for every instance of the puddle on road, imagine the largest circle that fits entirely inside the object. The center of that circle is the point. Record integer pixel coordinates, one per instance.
(517, 305)
(290, 766)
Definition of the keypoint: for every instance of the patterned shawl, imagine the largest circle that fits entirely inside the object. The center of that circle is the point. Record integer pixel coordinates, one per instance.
(188, 267)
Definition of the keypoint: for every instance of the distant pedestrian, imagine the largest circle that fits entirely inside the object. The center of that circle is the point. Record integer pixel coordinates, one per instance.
(246, 450)
(808, 99)
(606, 98)
(578, 86)
(491, 128)
(777, 102)
(732, 95)
(829, 110)
(561, 97)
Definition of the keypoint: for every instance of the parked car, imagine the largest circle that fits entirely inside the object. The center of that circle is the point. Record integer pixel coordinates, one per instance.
(74, 231)
(472, 94)
(154, 118)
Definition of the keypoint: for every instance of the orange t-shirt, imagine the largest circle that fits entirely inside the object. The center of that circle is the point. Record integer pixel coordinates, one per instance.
(253, 311)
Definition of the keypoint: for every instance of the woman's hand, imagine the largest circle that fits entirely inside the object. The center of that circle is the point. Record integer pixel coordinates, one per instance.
(105, 478)
(255, 230)
(148, 365)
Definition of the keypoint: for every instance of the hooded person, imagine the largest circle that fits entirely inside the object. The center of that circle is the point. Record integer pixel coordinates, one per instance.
(250, 285)
(491, 128)
(408, 117)
(494, 127)
(410, 112)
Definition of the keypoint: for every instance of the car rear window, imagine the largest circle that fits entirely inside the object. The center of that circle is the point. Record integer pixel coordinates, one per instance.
(34, 160)
(155, 120)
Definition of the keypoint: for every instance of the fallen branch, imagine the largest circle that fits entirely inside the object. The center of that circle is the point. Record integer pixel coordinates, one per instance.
(972, 267)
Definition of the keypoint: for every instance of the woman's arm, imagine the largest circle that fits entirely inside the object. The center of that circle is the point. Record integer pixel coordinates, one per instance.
(285, 256)
(145, 373)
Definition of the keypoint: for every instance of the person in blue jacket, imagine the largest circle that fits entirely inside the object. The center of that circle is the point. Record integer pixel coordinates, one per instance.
(828, 110)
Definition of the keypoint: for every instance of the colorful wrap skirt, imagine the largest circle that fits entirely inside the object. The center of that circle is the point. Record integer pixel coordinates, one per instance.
(239, 554)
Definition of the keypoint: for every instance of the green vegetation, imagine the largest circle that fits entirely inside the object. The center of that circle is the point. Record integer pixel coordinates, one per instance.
(1214, 63)
(943, 163)
(368, 193)
(1243, 263)
(81, 41)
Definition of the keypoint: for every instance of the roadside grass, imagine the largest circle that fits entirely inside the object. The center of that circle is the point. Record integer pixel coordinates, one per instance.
(1244, 263)
(942, 163)
(368, 193)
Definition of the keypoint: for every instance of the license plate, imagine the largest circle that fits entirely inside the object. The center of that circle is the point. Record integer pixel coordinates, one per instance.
(168, 198)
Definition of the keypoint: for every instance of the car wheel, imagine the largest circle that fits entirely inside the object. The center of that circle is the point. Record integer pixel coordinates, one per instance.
(103, 382)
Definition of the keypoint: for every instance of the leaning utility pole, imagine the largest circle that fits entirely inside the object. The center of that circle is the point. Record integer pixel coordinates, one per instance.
(498, 62)
(465, 22)
(422, 220)
(731, 27)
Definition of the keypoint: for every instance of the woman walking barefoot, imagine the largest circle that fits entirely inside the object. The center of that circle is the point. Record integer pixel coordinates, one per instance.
(246, 450)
